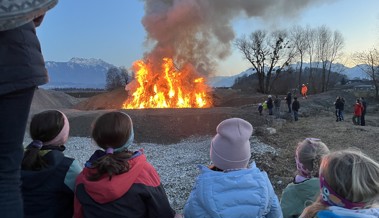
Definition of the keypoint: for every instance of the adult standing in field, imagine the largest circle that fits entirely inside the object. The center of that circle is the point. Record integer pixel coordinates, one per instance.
(22, 69)
(277, 102)
(304, 91)
(358, 108)
(338, 106)
(295, 108)
(342, 108)
(289, 101)
(364, 104)
(270, 105)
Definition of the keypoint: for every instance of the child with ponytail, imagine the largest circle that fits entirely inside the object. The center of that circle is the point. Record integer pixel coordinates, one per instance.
(349, 187)
(306, 185)
(119, 182)
(48, 177)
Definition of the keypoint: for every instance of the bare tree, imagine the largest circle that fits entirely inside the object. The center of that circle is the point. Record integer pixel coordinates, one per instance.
(310, 35)
(335, 51)
(269, 53)
(369, 63)
(299, 39)
(323, 44)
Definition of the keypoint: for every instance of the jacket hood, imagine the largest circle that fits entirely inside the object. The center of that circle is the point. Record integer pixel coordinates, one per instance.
(339, 212)
(118, 185)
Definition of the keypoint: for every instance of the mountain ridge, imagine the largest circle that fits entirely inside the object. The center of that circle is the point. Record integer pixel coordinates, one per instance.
(91, 73)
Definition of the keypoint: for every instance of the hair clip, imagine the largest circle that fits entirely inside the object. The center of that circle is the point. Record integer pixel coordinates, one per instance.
(109, 151)
(313, 139)
(35, 144)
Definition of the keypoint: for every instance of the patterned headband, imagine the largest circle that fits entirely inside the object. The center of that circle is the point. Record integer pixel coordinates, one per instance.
(331, 198)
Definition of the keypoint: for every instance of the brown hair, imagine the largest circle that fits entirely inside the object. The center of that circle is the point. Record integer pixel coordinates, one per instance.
(111, 130)
(44, 127)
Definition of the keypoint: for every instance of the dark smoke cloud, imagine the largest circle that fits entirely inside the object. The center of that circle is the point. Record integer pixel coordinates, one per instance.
(199, 32)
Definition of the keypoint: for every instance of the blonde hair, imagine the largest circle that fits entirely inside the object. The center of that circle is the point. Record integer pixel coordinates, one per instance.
(352, 175)
(309, 153)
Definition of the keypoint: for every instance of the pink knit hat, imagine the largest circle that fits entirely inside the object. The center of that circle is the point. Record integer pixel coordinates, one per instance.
(230, 148)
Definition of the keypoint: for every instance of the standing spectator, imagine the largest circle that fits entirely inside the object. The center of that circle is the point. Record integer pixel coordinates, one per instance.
(342, 108)
(230, 187)
(289, 101)
(338, 106)
(306, 184)
(295, 108)
(358, 108)
(116, 181)
(260, 108)
(364, 104)
(270, 105)
(22, 69)
(48, 176)
(304, 90)
(277, 102)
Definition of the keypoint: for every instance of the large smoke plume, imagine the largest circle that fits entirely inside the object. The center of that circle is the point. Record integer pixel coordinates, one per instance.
(199, 32)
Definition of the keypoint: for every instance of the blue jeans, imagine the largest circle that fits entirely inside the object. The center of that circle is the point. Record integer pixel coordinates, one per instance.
(14, 112)
(296, 115)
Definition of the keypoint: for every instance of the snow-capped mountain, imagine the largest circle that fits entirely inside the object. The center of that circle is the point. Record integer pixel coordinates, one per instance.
(351, 73)
(78, 73)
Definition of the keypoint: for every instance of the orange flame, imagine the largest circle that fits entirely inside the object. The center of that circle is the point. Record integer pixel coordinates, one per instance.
(170, 89)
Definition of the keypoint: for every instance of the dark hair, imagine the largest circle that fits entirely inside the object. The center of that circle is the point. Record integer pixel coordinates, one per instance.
(111, 130)
(44, 127)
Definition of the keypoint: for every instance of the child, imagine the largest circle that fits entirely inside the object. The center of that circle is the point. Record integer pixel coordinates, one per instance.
(349, 182)
(48, 177)
(295, 108)
(116, 181)
(260, 108)
(229, 187)
(306, 185)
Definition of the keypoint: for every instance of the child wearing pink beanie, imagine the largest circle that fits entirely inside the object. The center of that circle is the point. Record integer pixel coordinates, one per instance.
(230, 187)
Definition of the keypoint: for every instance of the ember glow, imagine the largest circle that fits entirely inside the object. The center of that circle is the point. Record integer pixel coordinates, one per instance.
(170, 88)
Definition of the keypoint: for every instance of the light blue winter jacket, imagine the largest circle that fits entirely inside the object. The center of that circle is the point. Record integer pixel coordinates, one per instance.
(339, 212)
(242, 193)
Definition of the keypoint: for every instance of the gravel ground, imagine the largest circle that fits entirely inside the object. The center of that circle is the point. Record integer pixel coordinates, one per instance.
(175, 163)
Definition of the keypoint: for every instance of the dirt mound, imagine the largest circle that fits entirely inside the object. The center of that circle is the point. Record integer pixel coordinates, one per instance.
(50, 99)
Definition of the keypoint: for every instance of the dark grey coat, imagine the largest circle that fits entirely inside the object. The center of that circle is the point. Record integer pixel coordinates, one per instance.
(21, 62)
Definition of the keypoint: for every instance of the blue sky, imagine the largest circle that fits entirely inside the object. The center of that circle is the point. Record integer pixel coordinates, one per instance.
(113, 31)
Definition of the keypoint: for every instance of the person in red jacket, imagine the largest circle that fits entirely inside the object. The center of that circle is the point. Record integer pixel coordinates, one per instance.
(304, 90)
(358, 108)
(118, 182)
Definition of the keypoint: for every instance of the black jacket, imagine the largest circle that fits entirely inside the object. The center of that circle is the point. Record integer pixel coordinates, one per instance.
(295, 105)
(44, 192)
(21, 62)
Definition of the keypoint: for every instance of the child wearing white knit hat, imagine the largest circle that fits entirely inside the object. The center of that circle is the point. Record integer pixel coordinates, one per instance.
(230, 187)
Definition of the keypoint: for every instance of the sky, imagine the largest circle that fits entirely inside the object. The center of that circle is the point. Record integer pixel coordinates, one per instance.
(113, 31)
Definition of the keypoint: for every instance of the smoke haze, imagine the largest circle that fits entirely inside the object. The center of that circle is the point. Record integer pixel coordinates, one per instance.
(199, 32)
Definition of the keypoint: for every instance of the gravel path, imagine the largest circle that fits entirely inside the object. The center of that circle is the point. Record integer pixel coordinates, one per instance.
(175, 163)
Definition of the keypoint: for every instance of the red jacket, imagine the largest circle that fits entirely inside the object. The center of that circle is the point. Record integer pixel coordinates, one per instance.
(136, 193)
(358, 108)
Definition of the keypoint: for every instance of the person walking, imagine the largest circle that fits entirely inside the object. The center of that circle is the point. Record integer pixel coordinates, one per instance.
(22, 69)
(295, 108)
(364, 104)
(277, 102)
(289, 101)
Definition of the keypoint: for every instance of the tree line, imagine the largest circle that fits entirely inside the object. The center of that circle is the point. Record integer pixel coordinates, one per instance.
(271, 53)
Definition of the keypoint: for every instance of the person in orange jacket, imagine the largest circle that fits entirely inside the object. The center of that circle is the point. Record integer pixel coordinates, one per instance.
(358, 108)
(304, 90)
